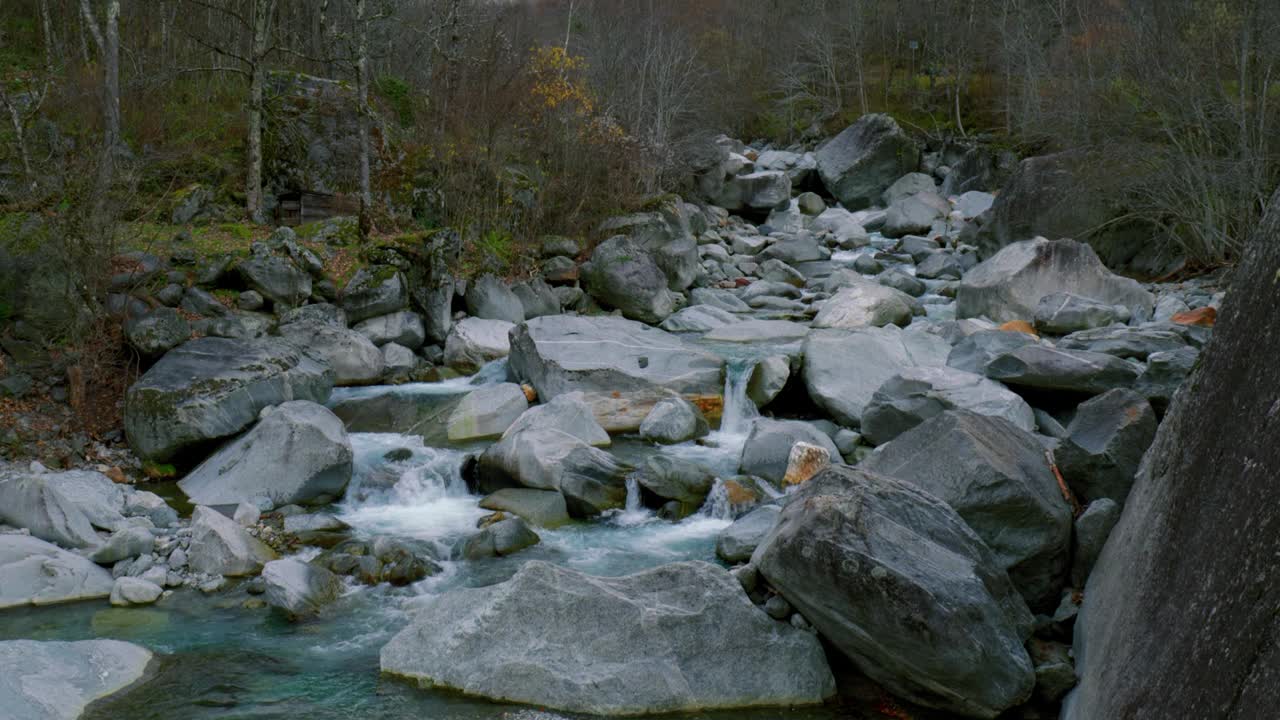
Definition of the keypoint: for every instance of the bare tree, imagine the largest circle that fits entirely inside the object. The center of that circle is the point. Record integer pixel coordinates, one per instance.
(107, 39)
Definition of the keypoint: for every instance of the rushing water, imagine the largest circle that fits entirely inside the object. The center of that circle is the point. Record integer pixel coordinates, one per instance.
(223, 657)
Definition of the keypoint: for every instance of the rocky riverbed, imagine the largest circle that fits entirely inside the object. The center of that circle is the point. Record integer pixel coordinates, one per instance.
(816, 443)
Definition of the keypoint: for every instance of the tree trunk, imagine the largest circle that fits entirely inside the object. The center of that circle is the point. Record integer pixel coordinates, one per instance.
(362, 89)
(262, 11)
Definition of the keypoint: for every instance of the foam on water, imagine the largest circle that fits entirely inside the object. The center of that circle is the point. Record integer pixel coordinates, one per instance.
(489, 374)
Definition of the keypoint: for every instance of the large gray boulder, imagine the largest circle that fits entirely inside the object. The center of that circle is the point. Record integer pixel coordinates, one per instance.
(699, 318)
(736, 543)
(537, 297)
(769, 444)
(621, 274)
(157, 332)
(843, 369)
(591, 479)
(567, 413)
(974, 352)
(48, 680)
(1126, 341)
(402, 328)
(102, 501)
(917, 394)
(864, 304)
(34, 572)
(676, 638)
(299, 589)
(1010, 284)
(664, 233)
(46, 510)
(1105, 443)
(275, 276)
(757, 191)
(487, 412)
(505, 537)
(883, 570)
(350, 355)
(545, 508)
(912, 183)
(219, 546)
(1063, 313)
(374, 290)
(473, 342)
(1188, 579)
(682, 486)
(212, 388)
(562, 353)
(1040, 367)
(860, 163)
(304, 445)
(489, 298)
(673, 420)
(995, 475)
(914, 215)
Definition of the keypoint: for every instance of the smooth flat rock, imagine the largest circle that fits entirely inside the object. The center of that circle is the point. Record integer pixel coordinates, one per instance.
(487, 412)
(34, 572)
(1074, 371)
(843, 369)
(58, 680)
(545, 508)
(562, 353)
(676, 638)
(917, 394)
(212, 388)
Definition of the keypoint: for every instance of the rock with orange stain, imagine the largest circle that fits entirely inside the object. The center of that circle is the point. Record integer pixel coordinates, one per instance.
(1202, 317)
(739, 494)
(116, 475)
(805, 461)
(1021, 326)
(529, 393)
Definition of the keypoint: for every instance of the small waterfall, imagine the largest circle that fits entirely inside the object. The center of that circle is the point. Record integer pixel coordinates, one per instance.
(633, 495)
(739, 410)
(717, 505)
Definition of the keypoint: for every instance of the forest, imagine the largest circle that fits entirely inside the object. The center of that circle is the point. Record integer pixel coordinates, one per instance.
(555, 359)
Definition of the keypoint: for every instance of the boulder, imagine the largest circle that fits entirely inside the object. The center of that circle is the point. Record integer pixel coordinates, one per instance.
(46, 510)
(622, 275)
(489, 298)
(131, 591)
(996, 476)
(1092, 529)
(34, 572)
(699, 318)
(1040, 367)
(374, 290)
(736, 543)
(913, 215)
(219, 546)
(299, 589)
(877, 354)
(673, 420)
(487, 412)
(350, 355)
(803, 462)
(904, 187)
(545, 508)
(917, 394)
(940, 266)
(843, 226)
(768, 378)
(1010, 284)
(1165, 374)
(1125, 341)
(315, 312)
(473, 342)
(899, 280)
(976, 351)
(305, 445)
(398, 363)
(125, 544)
(758, 331)
(537, 298)
(665, 235)
(157, 332)
(973, 203)
(864, 160)
(275, 276)
(502, 538)
(676, 638)
(1105, 443)
(403, 328)
(672, 480)
(768, 447)
(212, 388)
(562, 353)
(758, 191)
(567, 413)
(1197, 541)
(1063, 313)
(382, 559)
(882, 570)
(590, 479)
(49, 680)
(864, 304)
